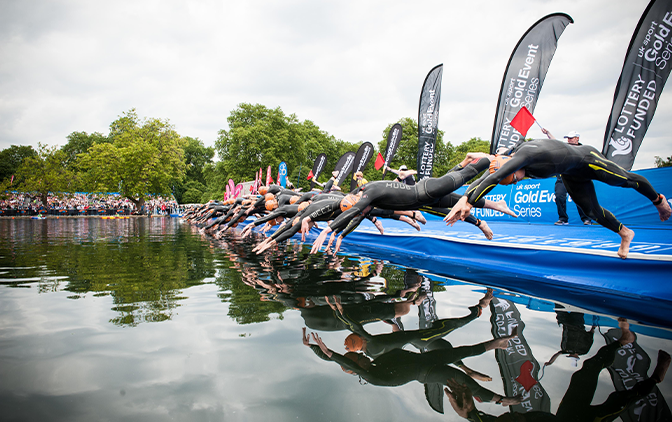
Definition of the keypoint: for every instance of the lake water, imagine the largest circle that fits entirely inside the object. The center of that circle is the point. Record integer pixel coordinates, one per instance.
(146, 319)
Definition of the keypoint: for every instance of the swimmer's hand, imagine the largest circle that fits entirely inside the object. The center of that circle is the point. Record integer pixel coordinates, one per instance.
(460, 211)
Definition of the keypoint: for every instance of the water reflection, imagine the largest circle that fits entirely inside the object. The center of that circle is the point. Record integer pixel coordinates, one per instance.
(143, 264)
(404, 333)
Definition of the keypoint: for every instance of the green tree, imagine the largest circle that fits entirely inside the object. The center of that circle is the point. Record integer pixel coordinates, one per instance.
(663, 163)
(11, 159)
(144, 157)
(46, 174)
(258, 137)
(407, 153)
(196, 157)
(79, 143)
(472, 145)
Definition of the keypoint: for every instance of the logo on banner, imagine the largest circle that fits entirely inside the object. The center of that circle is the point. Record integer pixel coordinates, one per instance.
(622, 146)
(660, 50)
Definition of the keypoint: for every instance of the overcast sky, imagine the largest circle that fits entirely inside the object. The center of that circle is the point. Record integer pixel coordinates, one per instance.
(352, 67)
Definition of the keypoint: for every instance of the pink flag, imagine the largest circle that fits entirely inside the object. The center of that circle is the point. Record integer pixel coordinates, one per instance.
(269, 179)
(239, 189)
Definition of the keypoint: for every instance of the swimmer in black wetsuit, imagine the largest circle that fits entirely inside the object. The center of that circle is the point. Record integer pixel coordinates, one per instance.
(398, 366)
(578, 166)
(398, 196)
(576, 405)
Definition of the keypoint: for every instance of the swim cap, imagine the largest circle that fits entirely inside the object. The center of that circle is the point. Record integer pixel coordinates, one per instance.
(271, 205)
(498, 162)
(303, 205)
(263, 190)
(269, 196)
(354, 343)
(349, 201)
(293, 199)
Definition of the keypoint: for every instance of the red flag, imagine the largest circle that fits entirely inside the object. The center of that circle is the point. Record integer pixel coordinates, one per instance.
(379, 161)
(310, 175)
(523, 121)
(11, 181)
(269, 179)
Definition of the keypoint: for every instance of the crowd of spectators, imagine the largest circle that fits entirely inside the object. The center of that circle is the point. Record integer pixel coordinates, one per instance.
(23, 204)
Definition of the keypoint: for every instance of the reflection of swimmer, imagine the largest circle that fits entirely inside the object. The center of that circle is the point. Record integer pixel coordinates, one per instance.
(576, 404)
(579, 166)
(376, 345)
(398, 366)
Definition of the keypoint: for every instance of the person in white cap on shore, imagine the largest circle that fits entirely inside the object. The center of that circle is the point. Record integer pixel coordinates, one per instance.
(560, 189)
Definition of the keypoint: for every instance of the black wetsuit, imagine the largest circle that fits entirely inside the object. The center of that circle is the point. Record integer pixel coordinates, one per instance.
(578, 165)
(379, 344)
(398, 367)
(398, 196)
(286, 211)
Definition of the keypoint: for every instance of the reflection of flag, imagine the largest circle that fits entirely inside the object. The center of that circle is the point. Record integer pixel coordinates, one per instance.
(310, 175)
(379, 161)
(523, 121)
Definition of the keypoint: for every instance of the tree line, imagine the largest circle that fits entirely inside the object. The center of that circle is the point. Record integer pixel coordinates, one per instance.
(146, 156)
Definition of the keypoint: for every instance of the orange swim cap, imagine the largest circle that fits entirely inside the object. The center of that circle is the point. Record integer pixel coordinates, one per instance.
(354, 343)
(271, 205)
(498, 162)
(293, 199)
(269, 196)
(303, 205)
(349, 201)
(263, 190)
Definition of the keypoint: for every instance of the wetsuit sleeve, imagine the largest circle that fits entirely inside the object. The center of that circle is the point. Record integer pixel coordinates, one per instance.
(341, 360)
(354, 326)
(487, 182)
(352, 225)
(268, 217)
(342, 220)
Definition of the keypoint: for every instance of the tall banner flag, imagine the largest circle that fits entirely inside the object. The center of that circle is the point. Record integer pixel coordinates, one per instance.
(524, 75)
(282, 174)
(643, 77)
(428, 121)
(631, 365)
(228, 193)
(364, 154)
(519, 368)
(344, 167)
(393, 140)
(318, 166)
(238, 190)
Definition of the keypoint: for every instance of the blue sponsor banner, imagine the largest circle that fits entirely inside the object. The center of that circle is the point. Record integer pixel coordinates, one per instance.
(282, 174)
(534, 201)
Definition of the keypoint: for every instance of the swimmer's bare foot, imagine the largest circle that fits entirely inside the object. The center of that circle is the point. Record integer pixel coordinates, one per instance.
(487, 232)
(626, 238)
(661, 367)
(510, 401)
(409, 220)
(664, 210)
(627, 336)
(476, 375)
(502, 207)
(485, 300)
(417, 215)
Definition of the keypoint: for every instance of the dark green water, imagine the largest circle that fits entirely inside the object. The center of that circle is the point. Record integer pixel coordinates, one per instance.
(147, 320)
